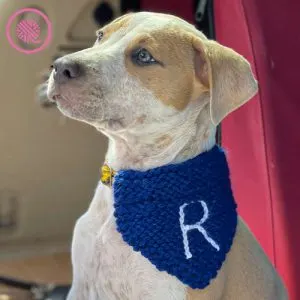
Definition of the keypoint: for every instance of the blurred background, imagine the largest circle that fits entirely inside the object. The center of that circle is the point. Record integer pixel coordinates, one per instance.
(49, 165)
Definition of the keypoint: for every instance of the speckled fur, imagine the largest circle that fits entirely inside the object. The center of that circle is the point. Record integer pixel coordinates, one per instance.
(134, 119)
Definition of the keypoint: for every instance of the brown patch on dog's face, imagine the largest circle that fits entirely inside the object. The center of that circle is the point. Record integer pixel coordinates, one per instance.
(172, 79)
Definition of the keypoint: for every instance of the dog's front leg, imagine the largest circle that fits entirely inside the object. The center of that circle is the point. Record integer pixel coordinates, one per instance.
(87, 245)
(80, 254)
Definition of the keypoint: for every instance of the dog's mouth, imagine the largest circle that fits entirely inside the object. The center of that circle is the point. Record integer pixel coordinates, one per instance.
(56, 97)
(71, 105)
(74, 109)
(61, 101)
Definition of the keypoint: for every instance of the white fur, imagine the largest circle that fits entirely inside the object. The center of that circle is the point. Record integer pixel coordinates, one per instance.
(108, 98)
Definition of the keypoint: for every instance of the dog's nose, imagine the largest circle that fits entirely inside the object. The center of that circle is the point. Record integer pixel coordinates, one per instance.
(65, 70)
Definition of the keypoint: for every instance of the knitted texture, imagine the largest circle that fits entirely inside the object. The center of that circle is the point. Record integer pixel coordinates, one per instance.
(181, 217)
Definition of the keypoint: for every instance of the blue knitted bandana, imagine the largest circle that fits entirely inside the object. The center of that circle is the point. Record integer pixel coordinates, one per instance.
(181, 217)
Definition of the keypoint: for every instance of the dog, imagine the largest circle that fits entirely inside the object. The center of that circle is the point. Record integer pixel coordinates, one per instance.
(157, 88)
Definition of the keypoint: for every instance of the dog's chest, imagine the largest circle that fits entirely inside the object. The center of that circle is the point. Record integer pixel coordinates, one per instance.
(109, 267)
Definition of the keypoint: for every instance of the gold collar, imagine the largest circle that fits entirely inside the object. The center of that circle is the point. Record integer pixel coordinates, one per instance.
(107, 175)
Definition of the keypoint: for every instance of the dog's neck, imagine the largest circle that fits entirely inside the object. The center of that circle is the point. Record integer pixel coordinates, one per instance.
(138, 150)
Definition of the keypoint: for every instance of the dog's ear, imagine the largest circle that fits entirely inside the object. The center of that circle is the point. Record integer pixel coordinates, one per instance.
(226, 74)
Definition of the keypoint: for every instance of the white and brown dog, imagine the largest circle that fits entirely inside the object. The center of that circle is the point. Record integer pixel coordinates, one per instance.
(157, 88)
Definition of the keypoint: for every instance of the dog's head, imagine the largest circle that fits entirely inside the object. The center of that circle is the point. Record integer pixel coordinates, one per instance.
(148, 69)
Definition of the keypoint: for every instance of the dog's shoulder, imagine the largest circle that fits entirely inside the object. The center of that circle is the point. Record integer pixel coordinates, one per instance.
(250, 273)
(90, 224)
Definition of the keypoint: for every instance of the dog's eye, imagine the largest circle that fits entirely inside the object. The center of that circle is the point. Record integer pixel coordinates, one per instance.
(143, 57)
(99, 36)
